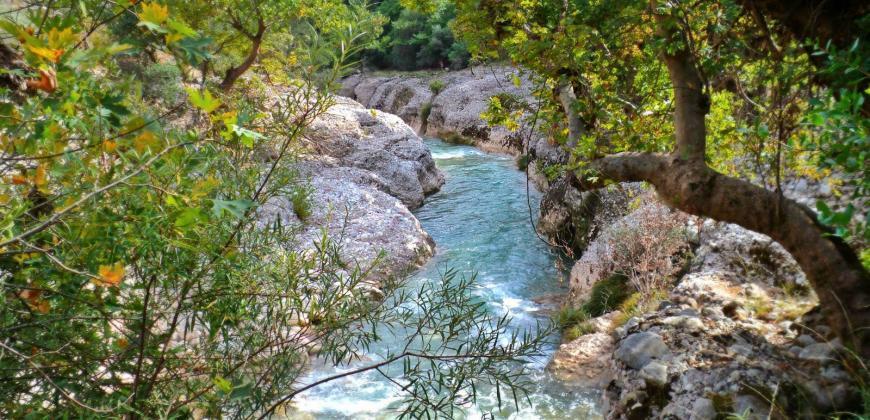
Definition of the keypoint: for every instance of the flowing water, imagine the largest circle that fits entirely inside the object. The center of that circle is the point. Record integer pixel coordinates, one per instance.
(480, 223)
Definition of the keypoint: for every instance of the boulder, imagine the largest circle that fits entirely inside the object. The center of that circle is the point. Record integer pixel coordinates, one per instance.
(638, 349)
(365, 170)
(380, 143)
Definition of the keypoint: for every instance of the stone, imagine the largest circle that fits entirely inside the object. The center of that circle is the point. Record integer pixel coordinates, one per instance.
(380, 143)
(703, 409)
(689, 323)
(638, 349)
(365, 170)
(751, 407)
(805, 340)
(819, 352)
(584, 361)
(655, 374)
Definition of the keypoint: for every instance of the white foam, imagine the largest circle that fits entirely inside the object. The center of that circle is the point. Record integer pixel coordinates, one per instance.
(456, 154)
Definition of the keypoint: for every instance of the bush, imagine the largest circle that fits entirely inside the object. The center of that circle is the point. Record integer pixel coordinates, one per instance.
(607, 295)
(436, 86)
(424, 113)
(301, 200)
(523, 162)
(650, 249)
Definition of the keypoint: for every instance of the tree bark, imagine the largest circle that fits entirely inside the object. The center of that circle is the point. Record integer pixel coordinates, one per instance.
(576, 127)
(234, 73)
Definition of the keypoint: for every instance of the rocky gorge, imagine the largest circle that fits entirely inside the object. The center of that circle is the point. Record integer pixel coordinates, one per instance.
(731, 331)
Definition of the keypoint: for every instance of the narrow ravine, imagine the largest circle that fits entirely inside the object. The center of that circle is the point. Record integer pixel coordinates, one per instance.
(480, 222)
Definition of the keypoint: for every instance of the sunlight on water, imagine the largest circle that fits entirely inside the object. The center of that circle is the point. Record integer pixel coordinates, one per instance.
(480, 222)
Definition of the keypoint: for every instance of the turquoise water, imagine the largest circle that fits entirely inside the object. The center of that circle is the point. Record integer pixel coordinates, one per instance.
(480, 223)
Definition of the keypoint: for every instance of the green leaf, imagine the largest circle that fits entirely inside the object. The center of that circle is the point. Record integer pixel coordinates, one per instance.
(203, 101)
(246, 136)
(180, 27)
(189, 217)
(223, 384)
(236, 208)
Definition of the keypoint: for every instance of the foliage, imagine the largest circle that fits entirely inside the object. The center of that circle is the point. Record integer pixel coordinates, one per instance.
(839, 134)
(300, 197)
(770, 118)
(605, 296)
(436, 86)
(138, 276)
(414, 39)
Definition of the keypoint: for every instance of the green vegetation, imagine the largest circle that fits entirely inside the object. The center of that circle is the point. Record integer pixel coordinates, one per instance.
(605, 296)
(300, 197)
(436, 86)
(138, 277)
(414, 39)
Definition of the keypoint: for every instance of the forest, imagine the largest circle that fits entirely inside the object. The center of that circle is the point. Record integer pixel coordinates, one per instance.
(233, 208)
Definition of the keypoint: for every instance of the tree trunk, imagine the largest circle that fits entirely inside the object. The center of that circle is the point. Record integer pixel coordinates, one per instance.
(576, 128)
(234, 73)
(684, 181)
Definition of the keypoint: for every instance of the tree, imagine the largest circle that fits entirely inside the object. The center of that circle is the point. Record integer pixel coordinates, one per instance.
(737, 82)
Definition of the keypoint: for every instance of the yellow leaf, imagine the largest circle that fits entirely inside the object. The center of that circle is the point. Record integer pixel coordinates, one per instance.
(174, 37)
(39, 179)
(61, 39)
(144, 141)
(110, 275)
(49, 54)
(19, 179)
(110, 146)
(154, 13)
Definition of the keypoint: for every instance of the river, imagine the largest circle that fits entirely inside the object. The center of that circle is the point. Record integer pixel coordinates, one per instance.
(480, 223)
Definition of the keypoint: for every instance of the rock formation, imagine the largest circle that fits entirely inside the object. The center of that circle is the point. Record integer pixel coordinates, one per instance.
(366, 169)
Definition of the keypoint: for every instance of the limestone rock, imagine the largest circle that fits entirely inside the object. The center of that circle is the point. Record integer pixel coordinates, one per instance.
(638, 349)
(366, 168)
(584, 361)
(380, 143)
(655, 373)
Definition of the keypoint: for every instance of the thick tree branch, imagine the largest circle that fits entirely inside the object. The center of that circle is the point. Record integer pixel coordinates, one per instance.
(234, 73)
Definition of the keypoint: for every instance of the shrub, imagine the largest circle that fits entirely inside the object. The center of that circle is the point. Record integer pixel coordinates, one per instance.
(436, 86)
(607, 295)
(301, 200)
(523, 162)
(424, 113)
(649, 249)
